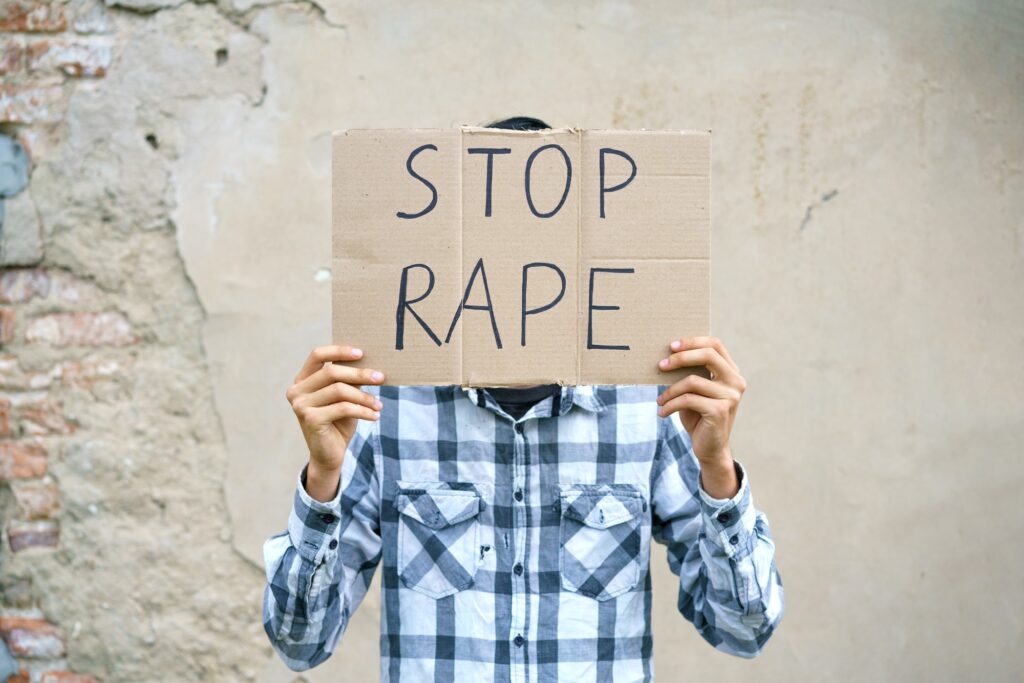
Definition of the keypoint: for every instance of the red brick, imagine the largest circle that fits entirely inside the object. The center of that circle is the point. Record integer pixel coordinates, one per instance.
(31, 104)
(5, 417)
(66, 677)
(31, 638)
(21, 460)
(6, 325)
(79, 58)
(37, 499)
(84, 373)
(25, 535)
(108, 328)
(18, 285)
(20, 677)
(43, 417)
(32, 16)
(11, 53)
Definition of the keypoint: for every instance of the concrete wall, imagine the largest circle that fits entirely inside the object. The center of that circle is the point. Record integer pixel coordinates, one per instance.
(166, 272)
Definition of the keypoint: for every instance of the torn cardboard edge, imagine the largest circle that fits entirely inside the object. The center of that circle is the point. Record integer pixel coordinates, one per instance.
(448, 247)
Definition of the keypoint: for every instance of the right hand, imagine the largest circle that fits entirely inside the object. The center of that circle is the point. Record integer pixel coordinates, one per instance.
(327, 401)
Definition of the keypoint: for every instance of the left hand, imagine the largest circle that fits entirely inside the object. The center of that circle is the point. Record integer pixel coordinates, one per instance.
(707, 407)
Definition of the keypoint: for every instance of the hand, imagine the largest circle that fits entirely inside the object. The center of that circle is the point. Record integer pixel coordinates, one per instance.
(707, 407)
(327, 402)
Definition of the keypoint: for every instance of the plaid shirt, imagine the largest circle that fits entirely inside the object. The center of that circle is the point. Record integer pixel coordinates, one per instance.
(518, 550)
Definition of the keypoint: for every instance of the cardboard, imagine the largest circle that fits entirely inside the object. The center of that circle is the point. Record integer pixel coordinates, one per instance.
(489, 257)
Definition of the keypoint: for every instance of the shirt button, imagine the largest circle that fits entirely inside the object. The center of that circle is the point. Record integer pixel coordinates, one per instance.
(734, 540)
(327, 518)
(519, 494)
(518, 569)
(724, 517)
(333, 544)
(518, 641)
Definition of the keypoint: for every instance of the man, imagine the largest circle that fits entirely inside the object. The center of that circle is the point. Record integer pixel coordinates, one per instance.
(514, 526)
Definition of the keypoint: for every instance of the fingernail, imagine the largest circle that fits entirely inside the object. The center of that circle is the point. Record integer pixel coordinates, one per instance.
(378, 405)
(676, 345)
(376, 416)
(663, 363)
(357, 352)
(377, 376)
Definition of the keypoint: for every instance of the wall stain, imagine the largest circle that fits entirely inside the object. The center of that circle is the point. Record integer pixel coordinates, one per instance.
(760, 155)
(825, 199)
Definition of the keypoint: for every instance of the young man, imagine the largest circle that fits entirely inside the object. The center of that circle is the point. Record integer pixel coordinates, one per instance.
(514, 526)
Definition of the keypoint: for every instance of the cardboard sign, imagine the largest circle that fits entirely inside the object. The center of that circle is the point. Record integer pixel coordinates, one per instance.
(489, 257)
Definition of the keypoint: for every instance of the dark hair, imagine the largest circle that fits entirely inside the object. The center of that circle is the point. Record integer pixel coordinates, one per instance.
(519, 123)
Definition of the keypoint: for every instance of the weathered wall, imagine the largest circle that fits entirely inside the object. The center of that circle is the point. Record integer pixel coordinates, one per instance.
(166, 271)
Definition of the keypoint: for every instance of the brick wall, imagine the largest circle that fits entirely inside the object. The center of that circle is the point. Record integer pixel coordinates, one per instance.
(46, 49)
(54, 310)
(117, 552)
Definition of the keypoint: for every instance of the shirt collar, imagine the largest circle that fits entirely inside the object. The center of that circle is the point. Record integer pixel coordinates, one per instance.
(586, 397)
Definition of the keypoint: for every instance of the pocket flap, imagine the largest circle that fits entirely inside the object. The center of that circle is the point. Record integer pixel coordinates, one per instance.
(439, 508)
(601, 506)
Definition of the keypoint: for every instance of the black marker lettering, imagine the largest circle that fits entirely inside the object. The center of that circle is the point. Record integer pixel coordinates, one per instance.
(591, 307)
(417, 176)
(405, 303)
(627, 181)
(539, 309)
(478, 268)
(568, 180)
(490, 152)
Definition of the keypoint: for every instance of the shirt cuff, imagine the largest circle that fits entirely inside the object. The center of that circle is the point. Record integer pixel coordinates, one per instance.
(729, 522)
(313, 525)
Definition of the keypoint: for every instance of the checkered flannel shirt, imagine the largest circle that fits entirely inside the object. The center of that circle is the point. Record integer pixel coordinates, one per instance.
(518, 550)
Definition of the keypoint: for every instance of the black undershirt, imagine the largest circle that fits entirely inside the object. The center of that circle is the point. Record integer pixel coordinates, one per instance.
(517, 402)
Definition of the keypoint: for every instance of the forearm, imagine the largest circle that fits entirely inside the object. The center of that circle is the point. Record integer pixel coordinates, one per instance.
(735, 604)
(319, 570)
(729, 587)
(739, 583)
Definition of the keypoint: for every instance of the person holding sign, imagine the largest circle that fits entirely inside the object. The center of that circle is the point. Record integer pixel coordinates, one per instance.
(513, 526)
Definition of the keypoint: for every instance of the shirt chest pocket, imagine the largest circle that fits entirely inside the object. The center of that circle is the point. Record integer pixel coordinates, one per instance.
(602, 533)
(438, 532)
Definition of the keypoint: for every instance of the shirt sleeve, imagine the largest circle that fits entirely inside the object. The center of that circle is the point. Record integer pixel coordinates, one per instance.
(721, 549)
(318, 571)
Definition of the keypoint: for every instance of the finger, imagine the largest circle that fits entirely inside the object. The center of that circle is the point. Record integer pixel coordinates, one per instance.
(704, 342)
(325, 354)
(695, 384)
(338, 393)
(706, 356)
(338, 411)
(329, 374)
(706, 407)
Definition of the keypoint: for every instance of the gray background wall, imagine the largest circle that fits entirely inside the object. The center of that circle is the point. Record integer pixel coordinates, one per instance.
(868, 264)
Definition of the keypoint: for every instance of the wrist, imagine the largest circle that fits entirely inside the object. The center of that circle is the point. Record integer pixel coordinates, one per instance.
(322, 483)
(718, 476)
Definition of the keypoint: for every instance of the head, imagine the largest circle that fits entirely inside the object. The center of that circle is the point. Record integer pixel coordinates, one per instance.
(519, 123)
